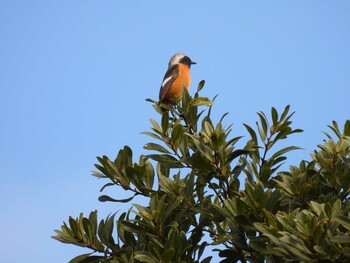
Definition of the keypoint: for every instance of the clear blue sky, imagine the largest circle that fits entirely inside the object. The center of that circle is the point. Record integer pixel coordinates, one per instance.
(74, 76)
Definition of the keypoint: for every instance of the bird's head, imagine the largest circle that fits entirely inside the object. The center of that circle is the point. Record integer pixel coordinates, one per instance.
(180, 58)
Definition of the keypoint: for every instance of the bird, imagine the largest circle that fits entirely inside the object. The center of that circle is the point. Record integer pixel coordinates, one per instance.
(176, 77)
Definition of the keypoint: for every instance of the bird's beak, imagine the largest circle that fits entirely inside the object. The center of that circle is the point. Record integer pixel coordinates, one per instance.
(192, 62)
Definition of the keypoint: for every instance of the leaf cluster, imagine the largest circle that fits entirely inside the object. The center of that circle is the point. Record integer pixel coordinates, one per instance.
(202, 192)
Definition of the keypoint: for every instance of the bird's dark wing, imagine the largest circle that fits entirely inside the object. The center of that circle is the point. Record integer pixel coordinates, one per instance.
(170, 76)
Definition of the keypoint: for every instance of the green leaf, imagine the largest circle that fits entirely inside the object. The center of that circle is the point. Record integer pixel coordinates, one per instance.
(148, 177)
(344, 221)
(155, 125)
(236, 154)
(105, 231)
(168, 254)
(165, 122)
(252, 133)
(207, 259)
(166, 160)
(80, 258)
(274, 116)
(223, 116)
(176, 134)
(336, 208)
(106, 198)
(340, 239)
(155, 147)
(150, 100)
(205, 150)
(285, 112)
(201, 101)
(208, 127)
(163, 170)
(170, 208)
(93, 259)
(200, 85)
(186, 99)
(284, 150)
(264, 125)
(347, 128)
(146, 257)
(317, 207)
(295, 246)
(153, 135)
(167, 185)
(262, 134)
(136, 176)
(106, 185)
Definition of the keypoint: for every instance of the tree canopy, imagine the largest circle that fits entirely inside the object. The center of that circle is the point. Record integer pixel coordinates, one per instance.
(206, 194)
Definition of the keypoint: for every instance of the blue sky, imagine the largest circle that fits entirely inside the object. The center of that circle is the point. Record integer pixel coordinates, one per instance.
(74, 76)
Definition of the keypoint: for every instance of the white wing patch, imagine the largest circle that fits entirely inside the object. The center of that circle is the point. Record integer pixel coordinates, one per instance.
(165, 81)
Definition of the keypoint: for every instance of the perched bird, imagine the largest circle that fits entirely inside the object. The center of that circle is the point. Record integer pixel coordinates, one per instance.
(177, 76)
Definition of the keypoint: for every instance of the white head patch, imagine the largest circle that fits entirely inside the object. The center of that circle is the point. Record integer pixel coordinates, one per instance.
(176, 59)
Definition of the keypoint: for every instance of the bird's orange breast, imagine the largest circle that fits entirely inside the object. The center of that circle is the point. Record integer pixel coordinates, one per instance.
(183, 80)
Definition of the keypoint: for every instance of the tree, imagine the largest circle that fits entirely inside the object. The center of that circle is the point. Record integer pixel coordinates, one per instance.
(204, 192)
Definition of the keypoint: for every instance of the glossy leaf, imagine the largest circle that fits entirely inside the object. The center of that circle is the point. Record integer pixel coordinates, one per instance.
(155, 147)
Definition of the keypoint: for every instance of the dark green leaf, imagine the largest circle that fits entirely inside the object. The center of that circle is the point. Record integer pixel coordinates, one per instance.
(136, 175)
(166, 160)
(165, 122)
(236, 154)
(200, 85)
(347, 128)
(93, 259)
(274, 116)
(176, 134)
(150, 100)
(148, 177)
(80, 258)
(207, 259)
(106, 185)
(155, 147)
(252, 133)
(283, 151)
(153, 135)
(223, 116)
(264, 125)
(105, 198)
(285, 112)
(168, 254)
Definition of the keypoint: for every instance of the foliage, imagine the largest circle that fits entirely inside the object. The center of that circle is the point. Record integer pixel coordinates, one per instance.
(192, 179)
